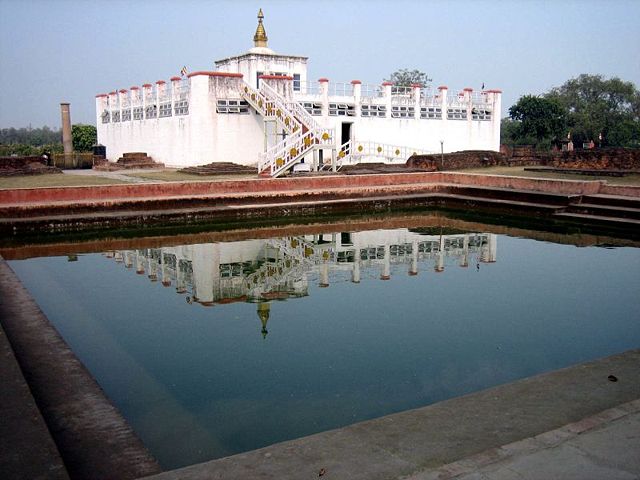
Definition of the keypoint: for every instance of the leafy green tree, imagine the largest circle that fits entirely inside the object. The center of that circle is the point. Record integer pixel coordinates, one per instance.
(599, 106)
(84, 137)
(538, 120)
(509, 134)
(405, 78)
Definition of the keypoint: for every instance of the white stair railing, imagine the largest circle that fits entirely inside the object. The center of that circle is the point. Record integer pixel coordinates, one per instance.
(390, 152)
(305, 134)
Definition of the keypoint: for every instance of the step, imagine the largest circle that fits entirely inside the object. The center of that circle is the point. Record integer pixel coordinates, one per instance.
(604, 210)
(612, 200)
(561, 199)
(599, 219)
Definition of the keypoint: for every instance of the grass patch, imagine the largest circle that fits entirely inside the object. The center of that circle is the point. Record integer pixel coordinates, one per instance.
(175, 176)
(633, 180)
(54, 180)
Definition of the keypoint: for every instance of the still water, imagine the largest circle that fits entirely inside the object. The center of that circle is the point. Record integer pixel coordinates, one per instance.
(212, 349)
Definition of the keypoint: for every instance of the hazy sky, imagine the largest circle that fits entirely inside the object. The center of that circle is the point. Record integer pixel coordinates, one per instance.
(71, 50)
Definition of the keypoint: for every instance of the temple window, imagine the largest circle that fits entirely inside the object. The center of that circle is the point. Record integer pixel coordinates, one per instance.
(313, 108)
(373, 111)
(341, 110)
(401, 111)
(431, 112)
(232, 106)
(165, 109)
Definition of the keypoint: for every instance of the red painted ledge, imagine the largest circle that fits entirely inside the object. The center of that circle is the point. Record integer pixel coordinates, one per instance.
(275, 77)
(356, 82)
(323, 80)
(215, 74)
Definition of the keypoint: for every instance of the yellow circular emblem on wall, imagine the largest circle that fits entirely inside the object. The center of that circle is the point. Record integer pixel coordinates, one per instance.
(379, 149)
(341, 154)
(293, 152)
(307, 141)
(397, 151)
(325, 136)
(279, 162)
(360, 148)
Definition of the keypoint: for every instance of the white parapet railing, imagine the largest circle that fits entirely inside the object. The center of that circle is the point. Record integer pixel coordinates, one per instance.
(357, 150)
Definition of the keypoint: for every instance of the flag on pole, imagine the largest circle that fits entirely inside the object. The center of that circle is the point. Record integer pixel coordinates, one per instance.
(183, 72)
(482, 85)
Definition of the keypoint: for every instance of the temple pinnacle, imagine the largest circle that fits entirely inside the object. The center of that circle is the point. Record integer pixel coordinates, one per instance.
(260, 38)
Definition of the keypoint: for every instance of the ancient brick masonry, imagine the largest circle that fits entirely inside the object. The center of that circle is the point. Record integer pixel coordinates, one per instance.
(29, 165)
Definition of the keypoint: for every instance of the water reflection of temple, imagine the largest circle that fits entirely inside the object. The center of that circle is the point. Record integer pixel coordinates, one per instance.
(280, 268)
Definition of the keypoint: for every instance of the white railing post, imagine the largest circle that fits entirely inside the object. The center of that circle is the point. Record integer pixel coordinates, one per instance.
(175, 87)
(468, 100)
(416, 100)
(324, 95)
(387, 86)
(357, 96)
(443, 91)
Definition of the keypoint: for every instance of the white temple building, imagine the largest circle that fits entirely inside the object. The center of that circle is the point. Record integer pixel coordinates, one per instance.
(260, 108)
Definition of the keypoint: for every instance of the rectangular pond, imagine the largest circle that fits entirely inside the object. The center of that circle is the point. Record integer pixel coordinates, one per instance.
(211, 349)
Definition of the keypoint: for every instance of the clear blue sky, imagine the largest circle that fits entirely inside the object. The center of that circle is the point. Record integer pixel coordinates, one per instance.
(71, 50)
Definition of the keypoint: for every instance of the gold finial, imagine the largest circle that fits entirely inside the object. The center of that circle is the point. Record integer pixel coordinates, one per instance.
(263, 314)
(260, 38)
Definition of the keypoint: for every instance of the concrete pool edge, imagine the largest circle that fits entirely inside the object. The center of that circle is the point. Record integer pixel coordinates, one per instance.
(94, 440)
(544, 406)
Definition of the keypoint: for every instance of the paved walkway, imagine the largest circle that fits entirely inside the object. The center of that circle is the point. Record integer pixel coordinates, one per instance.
(604, 446)
(117, 175)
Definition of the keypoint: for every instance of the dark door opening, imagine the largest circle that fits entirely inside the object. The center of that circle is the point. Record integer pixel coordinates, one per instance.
(346, 134)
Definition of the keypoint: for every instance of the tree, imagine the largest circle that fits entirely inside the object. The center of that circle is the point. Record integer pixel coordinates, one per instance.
(84, 137)
(597, 106)
(405, 78)
(540, 120)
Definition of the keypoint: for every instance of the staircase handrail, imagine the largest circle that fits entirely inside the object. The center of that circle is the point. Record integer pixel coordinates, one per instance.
(369, 148)
(286, 116)
(257, 100)
(293, 107)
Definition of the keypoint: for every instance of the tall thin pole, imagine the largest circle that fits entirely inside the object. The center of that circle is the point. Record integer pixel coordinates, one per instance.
(67, 142)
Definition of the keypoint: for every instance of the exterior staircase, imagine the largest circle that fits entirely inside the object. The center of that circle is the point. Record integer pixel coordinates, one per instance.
(304, 133)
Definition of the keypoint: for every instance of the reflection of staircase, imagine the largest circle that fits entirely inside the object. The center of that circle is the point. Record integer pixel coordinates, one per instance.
(304, 134)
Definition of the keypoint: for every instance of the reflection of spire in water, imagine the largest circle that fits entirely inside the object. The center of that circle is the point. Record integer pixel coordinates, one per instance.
(263, 313)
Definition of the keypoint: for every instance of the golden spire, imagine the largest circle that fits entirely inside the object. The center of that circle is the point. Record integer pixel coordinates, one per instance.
(263, 314)
(260, 38)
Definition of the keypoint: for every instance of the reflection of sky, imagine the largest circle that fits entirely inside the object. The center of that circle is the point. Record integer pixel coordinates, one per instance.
(343, 353)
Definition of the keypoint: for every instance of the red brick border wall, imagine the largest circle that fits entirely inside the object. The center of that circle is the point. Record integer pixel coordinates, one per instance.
(160, 190)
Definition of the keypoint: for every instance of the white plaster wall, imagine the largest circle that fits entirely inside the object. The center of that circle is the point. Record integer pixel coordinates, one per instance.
(250, 64)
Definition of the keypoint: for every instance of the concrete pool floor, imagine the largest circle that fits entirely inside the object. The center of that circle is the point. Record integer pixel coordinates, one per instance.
(571, 423)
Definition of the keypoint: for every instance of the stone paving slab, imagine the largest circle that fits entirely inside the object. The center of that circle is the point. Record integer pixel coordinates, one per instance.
(603, 446)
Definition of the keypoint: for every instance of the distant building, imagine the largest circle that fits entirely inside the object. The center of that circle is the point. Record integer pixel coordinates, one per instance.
(259, 108)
